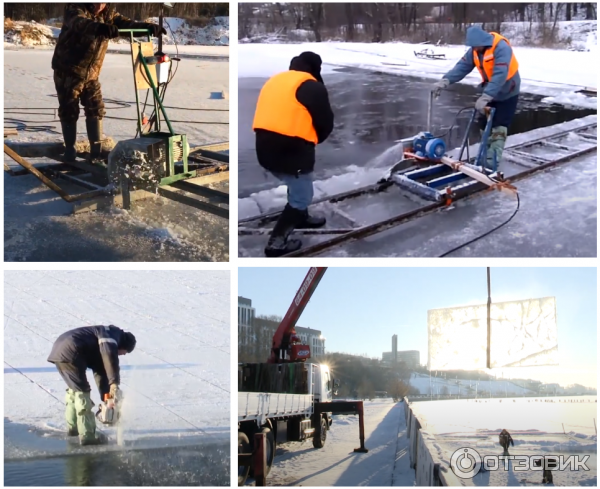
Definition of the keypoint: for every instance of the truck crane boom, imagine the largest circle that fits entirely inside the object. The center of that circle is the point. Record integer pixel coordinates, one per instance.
(286, 346)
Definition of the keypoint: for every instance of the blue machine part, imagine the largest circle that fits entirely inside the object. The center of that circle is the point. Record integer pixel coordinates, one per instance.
(427, 146)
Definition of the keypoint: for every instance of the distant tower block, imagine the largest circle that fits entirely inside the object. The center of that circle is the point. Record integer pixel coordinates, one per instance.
(395, 348)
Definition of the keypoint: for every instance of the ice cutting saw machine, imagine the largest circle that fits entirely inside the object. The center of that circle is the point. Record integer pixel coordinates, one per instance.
(109, 411)
(426, 170)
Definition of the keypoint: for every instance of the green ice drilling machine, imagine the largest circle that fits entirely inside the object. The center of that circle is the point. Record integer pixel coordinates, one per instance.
(157, 155)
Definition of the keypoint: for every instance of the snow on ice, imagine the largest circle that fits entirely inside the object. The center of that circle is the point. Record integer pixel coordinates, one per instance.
(176, 381)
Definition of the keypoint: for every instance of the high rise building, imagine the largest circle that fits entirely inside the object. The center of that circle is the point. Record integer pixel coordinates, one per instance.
(246, 315)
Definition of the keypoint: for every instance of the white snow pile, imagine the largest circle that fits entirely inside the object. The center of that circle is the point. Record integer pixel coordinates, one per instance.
(571, 35)
(29, 34)
(179, 31)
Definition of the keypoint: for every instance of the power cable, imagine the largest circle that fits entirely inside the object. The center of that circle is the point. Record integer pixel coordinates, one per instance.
(487, 233)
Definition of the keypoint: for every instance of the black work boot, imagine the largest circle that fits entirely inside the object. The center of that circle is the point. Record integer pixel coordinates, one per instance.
(69, 130)
(279, 244)
(94, 132)
(310, 222)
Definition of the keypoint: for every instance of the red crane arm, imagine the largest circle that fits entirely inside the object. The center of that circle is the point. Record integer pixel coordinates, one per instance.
(281, 338)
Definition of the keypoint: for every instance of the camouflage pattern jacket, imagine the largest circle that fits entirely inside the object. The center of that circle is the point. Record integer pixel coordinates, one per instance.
(79, 50)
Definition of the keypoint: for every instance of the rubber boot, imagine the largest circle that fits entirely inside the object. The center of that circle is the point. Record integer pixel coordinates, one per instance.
(69, 130)
(279, 244)
(495, 148)
(94, 132)
(99, 439)
(71, 413)
(310, 222)
(86, 424)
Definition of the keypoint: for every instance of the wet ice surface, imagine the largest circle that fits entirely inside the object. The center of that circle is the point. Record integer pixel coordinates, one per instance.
(175, 383)
(557, 215)
(38, 224)
(170, 461)
(372, 111)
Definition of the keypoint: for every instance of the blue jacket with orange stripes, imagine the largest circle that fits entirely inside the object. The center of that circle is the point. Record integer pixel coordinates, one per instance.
(499, 88)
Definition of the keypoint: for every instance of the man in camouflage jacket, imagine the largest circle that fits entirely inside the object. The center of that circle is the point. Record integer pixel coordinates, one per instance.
(77, 61)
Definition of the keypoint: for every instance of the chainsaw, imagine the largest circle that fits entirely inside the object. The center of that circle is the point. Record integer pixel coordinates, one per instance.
(109, 410)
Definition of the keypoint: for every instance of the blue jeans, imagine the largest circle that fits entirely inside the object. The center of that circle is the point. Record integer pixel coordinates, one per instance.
(299, 189)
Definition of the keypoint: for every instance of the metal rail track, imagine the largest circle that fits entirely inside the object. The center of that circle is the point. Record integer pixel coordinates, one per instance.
(207, 163)
(533, 164)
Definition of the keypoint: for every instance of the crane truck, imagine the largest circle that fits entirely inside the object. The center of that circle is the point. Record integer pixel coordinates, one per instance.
(287, 399)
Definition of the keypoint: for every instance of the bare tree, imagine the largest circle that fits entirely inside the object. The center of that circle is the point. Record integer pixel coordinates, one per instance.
(315, 19)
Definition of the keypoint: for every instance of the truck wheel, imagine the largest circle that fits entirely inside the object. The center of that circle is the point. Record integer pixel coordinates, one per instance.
(243, 447)
(271, 447)
(320, 434)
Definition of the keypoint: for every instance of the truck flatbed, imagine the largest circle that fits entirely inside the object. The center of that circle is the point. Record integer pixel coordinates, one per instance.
(261, 406)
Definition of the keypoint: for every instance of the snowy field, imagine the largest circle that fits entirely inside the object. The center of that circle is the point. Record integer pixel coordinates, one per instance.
(539, 426)
(176, 381)
(38, 226)
(437, 385)
(542, 70)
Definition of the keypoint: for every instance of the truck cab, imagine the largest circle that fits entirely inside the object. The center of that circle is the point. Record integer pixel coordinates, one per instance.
(321, 382)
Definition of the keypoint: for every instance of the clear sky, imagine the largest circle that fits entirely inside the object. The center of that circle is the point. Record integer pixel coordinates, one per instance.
(359, 309)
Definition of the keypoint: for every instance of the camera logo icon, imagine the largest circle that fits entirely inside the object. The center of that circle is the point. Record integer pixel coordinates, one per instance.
(465, 463)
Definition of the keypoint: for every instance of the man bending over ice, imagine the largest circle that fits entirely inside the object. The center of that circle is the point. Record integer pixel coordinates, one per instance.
(97, 348)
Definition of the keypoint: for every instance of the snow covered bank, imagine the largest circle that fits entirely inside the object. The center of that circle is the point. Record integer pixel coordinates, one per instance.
(29, 34)
(176, 381)
(179, 31)
(543, 71)
(577, 35)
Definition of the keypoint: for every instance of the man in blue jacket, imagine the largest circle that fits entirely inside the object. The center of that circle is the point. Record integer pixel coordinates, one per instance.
(97, 348)
(493, 57)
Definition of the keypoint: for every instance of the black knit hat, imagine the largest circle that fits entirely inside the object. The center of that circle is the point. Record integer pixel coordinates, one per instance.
(127, 342)
(308, 62)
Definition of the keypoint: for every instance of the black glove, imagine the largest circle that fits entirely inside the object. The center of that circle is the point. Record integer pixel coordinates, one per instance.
(156, 30)
(107, 30)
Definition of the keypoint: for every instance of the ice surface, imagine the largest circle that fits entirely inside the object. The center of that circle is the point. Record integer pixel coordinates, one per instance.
(36, 216)
(539, 426)
(176, 381)
(535, 231)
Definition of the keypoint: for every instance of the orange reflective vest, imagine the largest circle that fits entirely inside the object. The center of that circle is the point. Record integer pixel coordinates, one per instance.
(488, 60)
(277, 109)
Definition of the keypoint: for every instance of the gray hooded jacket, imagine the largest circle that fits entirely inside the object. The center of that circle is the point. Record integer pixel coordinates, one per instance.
(499, 88)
